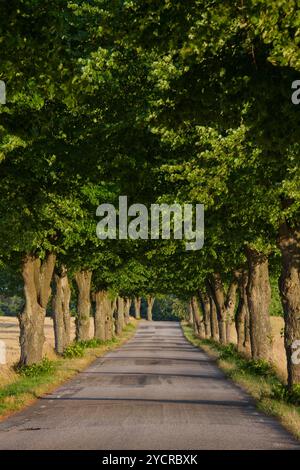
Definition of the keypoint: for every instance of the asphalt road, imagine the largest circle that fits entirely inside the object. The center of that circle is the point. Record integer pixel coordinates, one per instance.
(155, 392)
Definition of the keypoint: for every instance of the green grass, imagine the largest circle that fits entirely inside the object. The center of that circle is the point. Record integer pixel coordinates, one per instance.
(77, 349)
(43, 368)
(16, 394)
(31, 382)
(258, 378)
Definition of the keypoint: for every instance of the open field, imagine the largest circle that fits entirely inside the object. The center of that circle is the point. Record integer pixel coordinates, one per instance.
(9, 332)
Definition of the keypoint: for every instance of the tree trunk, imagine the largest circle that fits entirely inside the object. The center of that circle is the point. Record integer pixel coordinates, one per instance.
(247, 341)
(191, 317)
(150, 302)
(214, 327)
(213, 317)
(119, 316)
(205, 305)
(83, 281)
(101, 312)
(198, 321)
(230, 305)
(259, 298)
(61, 310)
(37, 277)
(289, 285)
(113, 304)
(219, 299)
(242, 315)
(127, 303)
(137, 307)
(109, 319)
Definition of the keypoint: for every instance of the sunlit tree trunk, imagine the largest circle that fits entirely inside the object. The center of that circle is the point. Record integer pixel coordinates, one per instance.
(101, 311)
(259, 298)
(137, 307)
(230, 305)
(83, 281)
(111, 323)
(213, 317)
(119, 316)
(61, 310)
(214, 326)
(218, 294)
(37, 277)
(108, 307)
(191, 318)
(242, 315)
(198, 319)
(150, 303)
(205, 305)
(127, 303)
(289, 286)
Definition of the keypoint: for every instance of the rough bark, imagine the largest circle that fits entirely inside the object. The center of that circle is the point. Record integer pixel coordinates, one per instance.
(191, 317)
(289, 286)
(205, 305)
(109, 318)
(37, 277)
(259, 298)
(113, 304)
(119, 316)
(137, 307)
(213, 317)
(83, 281)
(61, 310)
(100, 317)
(247, 341)
(150, 303)
(230, 305)
(214, 327)
(127, 303)
(198, 320)
(218, 294)
(242, 315)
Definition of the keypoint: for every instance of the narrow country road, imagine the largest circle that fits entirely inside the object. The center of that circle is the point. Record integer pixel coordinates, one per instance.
(155, 392)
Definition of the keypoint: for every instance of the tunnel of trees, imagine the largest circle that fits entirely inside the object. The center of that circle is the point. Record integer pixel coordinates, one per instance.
(162, 101)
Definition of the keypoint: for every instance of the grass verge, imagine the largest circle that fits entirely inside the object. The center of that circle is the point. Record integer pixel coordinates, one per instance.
(29, 383)
(258, 378)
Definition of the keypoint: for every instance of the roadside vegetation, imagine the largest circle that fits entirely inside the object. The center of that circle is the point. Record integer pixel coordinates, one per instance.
(27, 383)
(257, 377)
